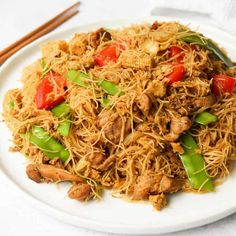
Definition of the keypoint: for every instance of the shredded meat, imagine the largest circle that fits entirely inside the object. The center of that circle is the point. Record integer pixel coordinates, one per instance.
(95, 156)
(179, 125)
(157, 88)
(171, 137)
(97, 36)
(177, 148)
(108, 163)
(42, 172)
(90, 108)
(144, 103)
(80, 191)
(112, 125)
(205, 101)
(149, 183)
(158, 201)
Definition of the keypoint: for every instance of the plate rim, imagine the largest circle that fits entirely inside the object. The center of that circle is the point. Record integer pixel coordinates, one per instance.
(91, 223)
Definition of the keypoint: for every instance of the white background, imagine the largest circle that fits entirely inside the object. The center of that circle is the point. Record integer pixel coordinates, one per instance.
(18, 17)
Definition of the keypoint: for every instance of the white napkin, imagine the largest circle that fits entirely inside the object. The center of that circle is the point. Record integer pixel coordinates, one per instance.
(221, 13)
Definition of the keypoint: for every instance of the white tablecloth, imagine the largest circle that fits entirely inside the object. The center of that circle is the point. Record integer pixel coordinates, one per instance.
(17, 17)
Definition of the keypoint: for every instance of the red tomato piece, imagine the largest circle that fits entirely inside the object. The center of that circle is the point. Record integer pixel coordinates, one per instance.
(177, 74)
(177, 52)
(110, 53)
(223, 84)
(51, 82)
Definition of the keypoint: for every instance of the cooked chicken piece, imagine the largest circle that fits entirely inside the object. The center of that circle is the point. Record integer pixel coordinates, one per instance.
(108, 163)
(90, 108)
(78, 44)
(136, 60)
(150, 183)
(177, 148)
(98, 36)
(42, 172)
(205, 101)
(80, 191)
(95, 156)
(94, 174)
(144, 103)
(143, 186)
(171, 137)
(113, 126)
(164, 184)
(179, 125)
(158, 201)
(157, 88)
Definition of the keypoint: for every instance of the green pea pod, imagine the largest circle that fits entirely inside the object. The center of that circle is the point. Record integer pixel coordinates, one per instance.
(105, 102)
(78, 77)
(194, 165)
(62, 111)
(208, 44)
(44, 66)
(109, 87)
(205, 118)
(82, 79)
(49, 145)
(64, 128)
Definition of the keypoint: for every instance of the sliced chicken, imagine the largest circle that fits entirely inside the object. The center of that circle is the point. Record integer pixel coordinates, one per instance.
(113, 125)
(150, 183)
(108, 163)
(144, 103)
(80, 191)
(98, 36)
(177, 126)
(95, 156)
(42, 172)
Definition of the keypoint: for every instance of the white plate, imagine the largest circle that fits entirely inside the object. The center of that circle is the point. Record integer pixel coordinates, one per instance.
(110, 214)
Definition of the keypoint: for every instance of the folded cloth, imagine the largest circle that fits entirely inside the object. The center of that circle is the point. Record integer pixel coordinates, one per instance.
(221, 12)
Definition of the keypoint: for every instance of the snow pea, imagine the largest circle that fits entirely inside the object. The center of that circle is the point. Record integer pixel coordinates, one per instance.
(44, 66)
(105, 102)
(62, 111)
(78, 77)
(194, 164)
(205, 118)
(49, 145)
(109, 87)
(208, 44)
(82, 79)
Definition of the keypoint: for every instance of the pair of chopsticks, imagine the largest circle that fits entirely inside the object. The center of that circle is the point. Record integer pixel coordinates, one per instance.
(38, 32)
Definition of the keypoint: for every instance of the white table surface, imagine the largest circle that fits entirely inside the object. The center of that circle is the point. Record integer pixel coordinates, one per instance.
(18, 17)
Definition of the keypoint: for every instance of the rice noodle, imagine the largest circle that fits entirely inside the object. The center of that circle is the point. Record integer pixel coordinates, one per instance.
(145, 147)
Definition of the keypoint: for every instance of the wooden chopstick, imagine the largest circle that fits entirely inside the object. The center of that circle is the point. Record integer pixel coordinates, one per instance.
(38, 32)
